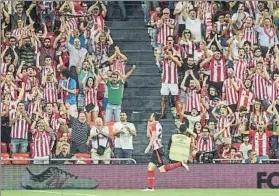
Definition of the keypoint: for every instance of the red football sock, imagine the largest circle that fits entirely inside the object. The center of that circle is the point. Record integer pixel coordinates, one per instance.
(151, 177)
(172, 166)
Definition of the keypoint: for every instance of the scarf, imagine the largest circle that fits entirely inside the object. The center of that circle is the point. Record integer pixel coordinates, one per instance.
(270, 36)
(257, 145)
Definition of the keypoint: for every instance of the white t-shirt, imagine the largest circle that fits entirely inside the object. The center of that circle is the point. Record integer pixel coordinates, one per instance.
(244, 149)
(193, 120)
(124, 140)
(235, 16)
(195, 27)
(103, 141)
(178, 8)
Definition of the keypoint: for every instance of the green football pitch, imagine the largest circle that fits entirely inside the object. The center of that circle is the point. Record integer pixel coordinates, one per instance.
(158, 192)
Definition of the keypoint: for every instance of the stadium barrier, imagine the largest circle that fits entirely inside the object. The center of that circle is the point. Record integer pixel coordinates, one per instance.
(135, 176)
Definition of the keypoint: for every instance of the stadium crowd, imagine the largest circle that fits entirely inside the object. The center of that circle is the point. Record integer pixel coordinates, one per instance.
(62, 90)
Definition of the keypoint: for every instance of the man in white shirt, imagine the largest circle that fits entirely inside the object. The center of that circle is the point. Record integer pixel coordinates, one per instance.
(245, 147)
(181, 9)
(99, 136)
(124, 133)
(194, 25)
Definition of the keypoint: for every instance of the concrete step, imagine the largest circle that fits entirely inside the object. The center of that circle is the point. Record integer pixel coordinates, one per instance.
(144, 102)
(137, 114)
(140, 34)
(142, 92)
(132, 45)
(144, 81)
(126, 24)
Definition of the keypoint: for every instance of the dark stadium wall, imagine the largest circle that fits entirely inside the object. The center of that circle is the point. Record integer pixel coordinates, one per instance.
(135, 176)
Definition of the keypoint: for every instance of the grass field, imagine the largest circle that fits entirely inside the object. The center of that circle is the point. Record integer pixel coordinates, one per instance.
(159, 192)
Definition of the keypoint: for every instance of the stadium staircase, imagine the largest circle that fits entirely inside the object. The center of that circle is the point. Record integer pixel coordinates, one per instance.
(142, 96)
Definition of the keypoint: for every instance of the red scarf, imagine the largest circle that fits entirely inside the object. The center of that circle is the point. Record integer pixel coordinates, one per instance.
(267, 33)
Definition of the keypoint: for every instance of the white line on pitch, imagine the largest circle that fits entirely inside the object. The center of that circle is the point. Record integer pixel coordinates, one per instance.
(61, 193)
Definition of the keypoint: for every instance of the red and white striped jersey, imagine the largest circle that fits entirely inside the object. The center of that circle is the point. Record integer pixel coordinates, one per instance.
(250, 34)
(170, 72)
(11, 89)
(245, 98)
(19, 128)
(72, 24)
(205, 145)
(50, 92)
(260, 142)
(221, 122)
(41, 144)
(231, 94)
(251, 5)
(193, 100)
(274, 90)
(53, 120)
(260, 87)
(4, 67)
(99, 22)
(101, 49)
(157, 130)
(187, 48)
(90, 95)
(218, 71)
(256, 117)
(18, 33)
(164, 32)
(118, 64)
(31, 82)
(240, 67)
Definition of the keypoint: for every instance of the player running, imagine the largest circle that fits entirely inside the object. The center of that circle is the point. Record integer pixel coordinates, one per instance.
(179, 149)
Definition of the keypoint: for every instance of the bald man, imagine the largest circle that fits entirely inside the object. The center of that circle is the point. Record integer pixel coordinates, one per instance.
(99, 138)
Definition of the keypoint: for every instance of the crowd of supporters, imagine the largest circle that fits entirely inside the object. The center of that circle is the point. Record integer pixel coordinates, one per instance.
(62, 91)
(219, 62)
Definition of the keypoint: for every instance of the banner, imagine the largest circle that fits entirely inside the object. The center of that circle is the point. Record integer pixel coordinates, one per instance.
(135, 176)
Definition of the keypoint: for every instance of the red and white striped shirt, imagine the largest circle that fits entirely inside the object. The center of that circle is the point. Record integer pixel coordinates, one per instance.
(218, 71)
(240, 67)
(11, 89)
(119, 65)
(231, 94)
(260, 142)
(50, 92)
(157, 130)
(41, 144)
(245, 98)
(19, 128)
(260, 87)
(99, 22)
(250, 34)
(164, 32)
(187, 48)
(101, 49)
(193, 100)
(53, 120)
(274, 90)
(18, 33)
(222, 121)
(205, 145)
(4, 67)
(238, 119)
(72, 24)
(90, 95)
(169, 75)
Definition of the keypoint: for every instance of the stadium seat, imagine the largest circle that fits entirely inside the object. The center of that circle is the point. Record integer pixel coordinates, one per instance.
(84, 156)
(20, 156)
(5, 156)
(4, 148)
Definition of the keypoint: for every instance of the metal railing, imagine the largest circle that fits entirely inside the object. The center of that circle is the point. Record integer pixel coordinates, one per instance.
(72, 159)
(240, 160)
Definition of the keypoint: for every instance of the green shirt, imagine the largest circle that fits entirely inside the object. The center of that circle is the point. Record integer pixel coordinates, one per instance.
(115, 92)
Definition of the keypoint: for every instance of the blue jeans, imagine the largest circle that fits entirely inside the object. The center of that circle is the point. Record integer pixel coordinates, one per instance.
(123, 153)
(113, 110)
(105, 103)
(19, 142)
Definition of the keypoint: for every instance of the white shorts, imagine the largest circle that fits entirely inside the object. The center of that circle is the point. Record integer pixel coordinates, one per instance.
(95, 109)
(166, 89)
